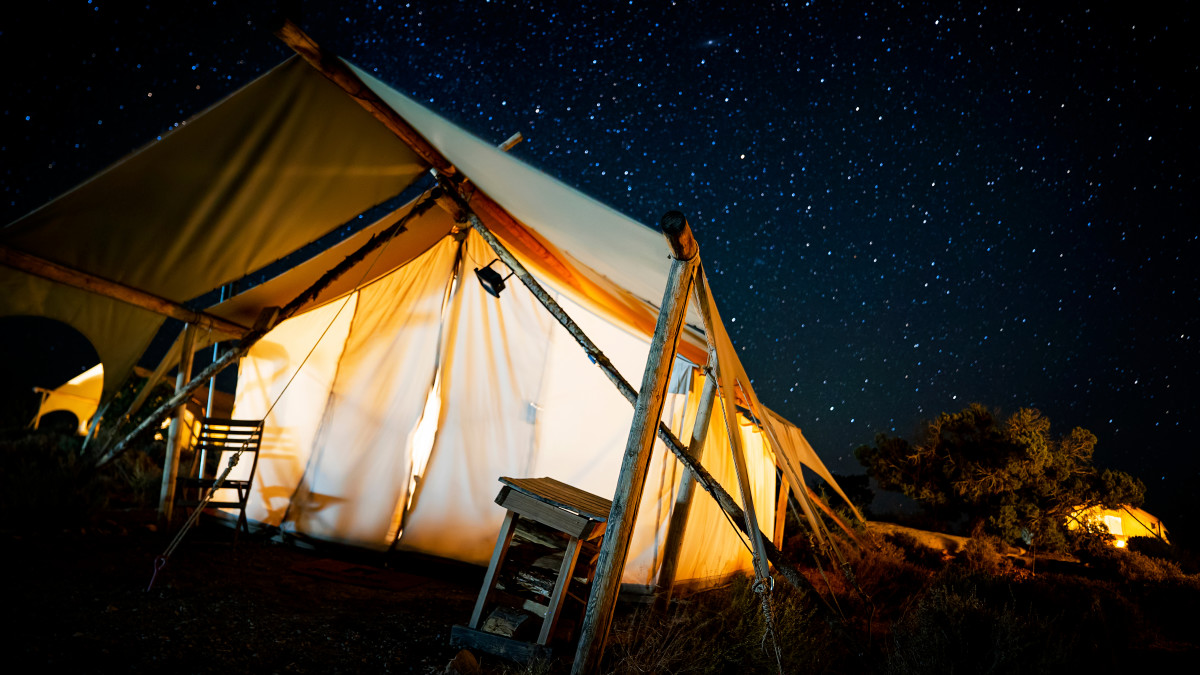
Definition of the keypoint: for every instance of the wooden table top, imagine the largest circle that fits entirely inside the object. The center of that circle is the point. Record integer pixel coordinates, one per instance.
(563, 496)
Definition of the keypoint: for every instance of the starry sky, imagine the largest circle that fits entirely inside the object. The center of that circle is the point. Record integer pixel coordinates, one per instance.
(904, 207)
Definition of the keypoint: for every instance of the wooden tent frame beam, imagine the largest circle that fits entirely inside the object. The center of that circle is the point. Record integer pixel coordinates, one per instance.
(647, 413)
(673, 542)
(336, 71)
(40, 267)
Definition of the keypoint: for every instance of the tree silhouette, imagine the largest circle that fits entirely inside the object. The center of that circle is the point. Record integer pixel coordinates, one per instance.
(1011, 477)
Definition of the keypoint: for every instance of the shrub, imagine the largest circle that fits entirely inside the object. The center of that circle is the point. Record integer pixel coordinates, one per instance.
(1152, 547)
(138, 479)
(952, 630)
(45, 482)
(915, 552)
(1129, 565)
(981, 556)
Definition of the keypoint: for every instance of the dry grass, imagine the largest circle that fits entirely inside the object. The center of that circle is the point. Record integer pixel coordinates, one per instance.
(725, 630)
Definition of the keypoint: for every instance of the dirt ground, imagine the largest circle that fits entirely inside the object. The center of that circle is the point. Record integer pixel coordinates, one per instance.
(82, 605)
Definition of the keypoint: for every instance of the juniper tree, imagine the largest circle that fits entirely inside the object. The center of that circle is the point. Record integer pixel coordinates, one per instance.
(1009, 476)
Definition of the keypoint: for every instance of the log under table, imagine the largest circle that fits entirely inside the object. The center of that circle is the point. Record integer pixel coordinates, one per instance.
(578, 514)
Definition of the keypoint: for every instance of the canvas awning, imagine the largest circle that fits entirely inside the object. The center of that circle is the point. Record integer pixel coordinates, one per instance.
(274, 166)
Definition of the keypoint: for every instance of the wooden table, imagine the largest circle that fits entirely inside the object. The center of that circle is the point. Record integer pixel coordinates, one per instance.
(578, 514)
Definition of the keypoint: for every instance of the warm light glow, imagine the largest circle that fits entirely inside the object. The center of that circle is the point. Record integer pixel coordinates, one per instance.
(1119, 543)
(423, 438)
(426, 432)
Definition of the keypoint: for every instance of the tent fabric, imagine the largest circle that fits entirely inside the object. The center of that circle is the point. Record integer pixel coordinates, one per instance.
(314, 340)
(492, 365)
(567, 235)
(518, 398)
(361, 458)
(418, 236)
(274, 166)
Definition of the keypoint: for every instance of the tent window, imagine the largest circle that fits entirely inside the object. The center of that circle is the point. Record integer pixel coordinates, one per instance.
(1113, 523)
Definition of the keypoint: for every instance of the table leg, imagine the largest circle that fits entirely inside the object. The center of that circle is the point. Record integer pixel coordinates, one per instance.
(489, 580)
(565, 572)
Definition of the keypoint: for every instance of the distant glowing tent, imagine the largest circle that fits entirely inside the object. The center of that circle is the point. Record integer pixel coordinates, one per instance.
(1122, 523)
(80, 396)
(396, 398)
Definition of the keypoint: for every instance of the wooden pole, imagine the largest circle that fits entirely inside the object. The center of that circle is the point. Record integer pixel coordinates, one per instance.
(758, 544)
(166, 495)
(632, 479)
(31, 264)
(685, 493)
(337, 72)
(781, 504)
(761, 567)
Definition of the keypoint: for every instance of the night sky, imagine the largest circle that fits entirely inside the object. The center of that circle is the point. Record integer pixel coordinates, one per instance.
(904, 208)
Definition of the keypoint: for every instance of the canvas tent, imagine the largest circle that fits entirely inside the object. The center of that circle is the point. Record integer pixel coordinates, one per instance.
(1122, 523)
(395, 399)
(80, 396)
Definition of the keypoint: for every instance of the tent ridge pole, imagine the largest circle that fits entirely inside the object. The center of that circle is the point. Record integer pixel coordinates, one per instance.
(336, 71)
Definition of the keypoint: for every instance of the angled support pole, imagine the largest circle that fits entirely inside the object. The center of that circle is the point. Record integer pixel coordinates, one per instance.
(687, 490)
(646, 414)
(762, 568)
(166, 495)
(38, 267)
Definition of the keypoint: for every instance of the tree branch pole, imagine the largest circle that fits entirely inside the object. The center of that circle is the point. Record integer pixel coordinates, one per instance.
(728, 401)
(687, 490)
(166, 495)
(614, 549)
(332, 68)
(38, 267)
(265, 323)
(782, 564)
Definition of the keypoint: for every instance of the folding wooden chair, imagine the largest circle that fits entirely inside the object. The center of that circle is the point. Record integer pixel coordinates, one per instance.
(217, 443)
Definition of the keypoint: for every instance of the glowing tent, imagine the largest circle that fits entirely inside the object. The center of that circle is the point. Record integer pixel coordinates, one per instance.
(1122, 523)
(80, 396)
(395, 399)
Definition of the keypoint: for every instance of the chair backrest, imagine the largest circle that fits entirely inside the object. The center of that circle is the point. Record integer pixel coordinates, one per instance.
(219, 436)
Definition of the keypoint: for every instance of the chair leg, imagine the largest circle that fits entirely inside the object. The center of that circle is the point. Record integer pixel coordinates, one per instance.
(242, 523)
